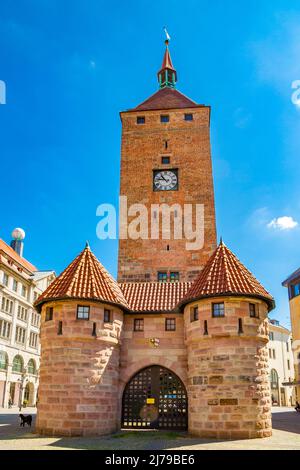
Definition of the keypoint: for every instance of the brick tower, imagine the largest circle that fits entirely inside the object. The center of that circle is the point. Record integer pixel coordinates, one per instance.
(165, 159)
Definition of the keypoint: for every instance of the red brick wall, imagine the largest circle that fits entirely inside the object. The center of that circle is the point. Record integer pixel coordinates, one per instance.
(189, 151)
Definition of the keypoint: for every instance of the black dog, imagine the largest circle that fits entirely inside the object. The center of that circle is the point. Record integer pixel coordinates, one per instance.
(25, 420)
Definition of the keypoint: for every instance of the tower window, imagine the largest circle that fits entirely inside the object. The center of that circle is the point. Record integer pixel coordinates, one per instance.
(170, 324)
(195, 314)
(164, 118)
(49, 314)
(174, 276)
(138, 324)
(59, 329)
(295, 290)
(83, 312)
(162, 277)
(107, 316)
(188, 117)
(166, 144)
(218, 310)
(140, 120)
(165, 160)
(253, 310)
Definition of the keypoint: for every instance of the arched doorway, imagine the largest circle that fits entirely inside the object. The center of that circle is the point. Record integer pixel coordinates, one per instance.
(155, 398)
(274, 382)
(29, 394)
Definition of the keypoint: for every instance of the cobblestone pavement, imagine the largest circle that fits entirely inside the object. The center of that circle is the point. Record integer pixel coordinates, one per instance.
(286, 435)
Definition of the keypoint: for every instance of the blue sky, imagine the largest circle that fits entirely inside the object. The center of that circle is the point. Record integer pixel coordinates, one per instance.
(71, 66)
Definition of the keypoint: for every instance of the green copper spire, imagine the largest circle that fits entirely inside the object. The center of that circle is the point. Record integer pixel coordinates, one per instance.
(167, 76)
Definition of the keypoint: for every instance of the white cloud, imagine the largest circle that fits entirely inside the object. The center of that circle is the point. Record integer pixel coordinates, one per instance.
(283, 223)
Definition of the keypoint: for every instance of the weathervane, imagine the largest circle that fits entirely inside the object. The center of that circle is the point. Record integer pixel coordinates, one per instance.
(168, 37)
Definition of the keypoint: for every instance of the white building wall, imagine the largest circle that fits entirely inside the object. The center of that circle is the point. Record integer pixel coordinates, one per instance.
(280, 346)
(34, 285)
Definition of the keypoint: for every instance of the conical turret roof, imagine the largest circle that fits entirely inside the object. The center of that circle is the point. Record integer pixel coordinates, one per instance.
(167, 61)
(85, 278)
(224, 274)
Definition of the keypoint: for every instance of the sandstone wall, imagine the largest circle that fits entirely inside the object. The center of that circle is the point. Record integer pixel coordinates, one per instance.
(137, 352)
(79, 374)
(228, 383)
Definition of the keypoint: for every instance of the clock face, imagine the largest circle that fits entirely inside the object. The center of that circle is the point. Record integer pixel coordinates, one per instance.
(165, 180)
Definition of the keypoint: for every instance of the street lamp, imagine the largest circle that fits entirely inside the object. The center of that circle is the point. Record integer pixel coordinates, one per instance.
(21, 380)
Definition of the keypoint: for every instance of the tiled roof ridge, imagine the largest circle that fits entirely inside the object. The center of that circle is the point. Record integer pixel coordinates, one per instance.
(164, 95)
(9, 251)
(154, 296)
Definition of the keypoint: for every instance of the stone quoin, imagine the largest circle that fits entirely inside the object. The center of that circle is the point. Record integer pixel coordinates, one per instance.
(179, 342)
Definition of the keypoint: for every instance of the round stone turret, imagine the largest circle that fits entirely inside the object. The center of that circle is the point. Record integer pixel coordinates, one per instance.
(225, 315)
(81, 323)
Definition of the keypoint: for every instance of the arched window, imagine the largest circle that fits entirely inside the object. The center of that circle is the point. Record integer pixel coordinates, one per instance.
(18, 364)
(31, 367)
(3, 360)
(274, 379)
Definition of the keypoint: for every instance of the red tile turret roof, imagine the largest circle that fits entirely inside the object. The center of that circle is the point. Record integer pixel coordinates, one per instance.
(224, 274)
(85, 278)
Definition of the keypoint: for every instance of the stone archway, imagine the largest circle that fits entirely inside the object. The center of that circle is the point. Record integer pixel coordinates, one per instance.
(155, 398)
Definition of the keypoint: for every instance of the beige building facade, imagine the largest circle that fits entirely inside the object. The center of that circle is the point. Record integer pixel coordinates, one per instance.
(293, 285)
(20, 285)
